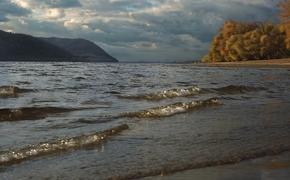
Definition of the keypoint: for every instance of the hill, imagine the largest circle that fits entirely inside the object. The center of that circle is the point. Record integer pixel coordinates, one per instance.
(81, 48)
(22, 47)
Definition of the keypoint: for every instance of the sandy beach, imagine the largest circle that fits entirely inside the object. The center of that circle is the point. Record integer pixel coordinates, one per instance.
(269, 167)
(275, 63)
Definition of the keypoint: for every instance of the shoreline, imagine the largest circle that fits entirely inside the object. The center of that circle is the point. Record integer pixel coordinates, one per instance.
(272, 63)
(268, 167)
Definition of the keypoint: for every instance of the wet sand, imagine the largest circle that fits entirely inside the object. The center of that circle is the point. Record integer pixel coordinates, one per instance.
(272, 63)
(270, 168)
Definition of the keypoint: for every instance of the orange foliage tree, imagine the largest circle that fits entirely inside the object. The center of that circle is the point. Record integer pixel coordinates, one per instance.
(241, 41)
(285, 17)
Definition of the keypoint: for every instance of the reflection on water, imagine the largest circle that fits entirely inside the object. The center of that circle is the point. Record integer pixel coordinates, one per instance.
(11, 91)
(33, 113)
(186, 129)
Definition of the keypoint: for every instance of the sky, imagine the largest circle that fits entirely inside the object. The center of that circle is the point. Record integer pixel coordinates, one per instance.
(135, 30)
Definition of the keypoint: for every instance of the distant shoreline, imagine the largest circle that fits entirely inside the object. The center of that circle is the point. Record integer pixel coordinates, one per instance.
(55, 61)
(272, 63)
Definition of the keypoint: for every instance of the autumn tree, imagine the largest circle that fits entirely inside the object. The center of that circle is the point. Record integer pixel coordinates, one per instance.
(239, 41)
(285, 18)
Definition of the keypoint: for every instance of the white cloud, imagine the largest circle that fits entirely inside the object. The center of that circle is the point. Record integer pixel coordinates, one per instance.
(54, 13)
(170, 6)
(23, 3)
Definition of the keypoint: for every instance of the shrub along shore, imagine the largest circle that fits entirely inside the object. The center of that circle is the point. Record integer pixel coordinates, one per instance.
(271, 63)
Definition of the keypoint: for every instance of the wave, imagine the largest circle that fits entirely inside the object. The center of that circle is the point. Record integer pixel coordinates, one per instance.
(235, 89)
(11, 91)
(171, 93)
(45, 148)
(97, 103)
(172, 109)
(34, 113)
(230, 159)
(191, 91)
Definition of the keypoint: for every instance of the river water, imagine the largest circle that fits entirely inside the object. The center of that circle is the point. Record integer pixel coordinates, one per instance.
(126, 121)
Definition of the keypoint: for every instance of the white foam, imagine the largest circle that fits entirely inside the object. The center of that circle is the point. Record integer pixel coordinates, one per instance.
(171, 93)
(172, 109)
(60, 145)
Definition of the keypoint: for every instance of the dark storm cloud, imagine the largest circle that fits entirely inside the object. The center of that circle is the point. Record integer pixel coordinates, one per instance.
(202, 20)
(62, 3)
(117, 5)
(3, 18)
(147, 29)
(9, 8)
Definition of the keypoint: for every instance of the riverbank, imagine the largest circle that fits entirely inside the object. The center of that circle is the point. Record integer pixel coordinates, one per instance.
(272, 63)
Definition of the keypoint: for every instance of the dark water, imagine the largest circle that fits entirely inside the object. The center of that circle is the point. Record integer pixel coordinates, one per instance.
(63, 120)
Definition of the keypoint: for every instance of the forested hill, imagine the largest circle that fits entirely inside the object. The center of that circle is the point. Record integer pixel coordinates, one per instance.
(22, 47)
(85, 49)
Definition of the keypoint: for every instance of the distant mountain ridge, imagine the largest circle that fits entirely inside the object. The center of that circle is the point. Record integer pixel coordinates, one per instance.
(81, 48)
(22, 47)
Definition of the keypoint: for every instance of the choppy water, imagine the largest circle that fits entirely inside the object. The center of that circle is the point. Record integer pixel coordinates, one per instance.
(122, 121)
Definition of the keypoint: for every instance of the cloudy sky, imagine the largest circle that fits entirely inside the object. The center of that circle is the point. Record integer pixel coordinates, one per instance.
(134, 30)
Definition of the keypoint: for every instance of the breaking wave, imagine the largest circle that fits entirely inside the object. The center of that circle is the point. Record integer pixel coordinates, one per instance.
(16, 156)
(172, 109)
(33, 113)
(171, 93)
(191, 91)
(11, 91)
(230, 159)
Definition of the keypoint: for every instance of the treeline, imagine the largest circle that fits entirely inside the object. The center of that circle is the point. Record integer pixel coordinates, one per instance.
(242, 41)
